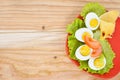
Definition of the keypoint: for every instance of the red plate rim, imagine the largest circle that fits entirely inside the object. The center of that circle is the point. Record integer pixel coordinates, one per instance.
(114, 44)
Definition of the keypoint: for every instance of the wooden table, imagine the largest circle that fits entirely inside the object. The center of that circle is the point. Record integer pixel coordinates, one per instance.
(32, 39)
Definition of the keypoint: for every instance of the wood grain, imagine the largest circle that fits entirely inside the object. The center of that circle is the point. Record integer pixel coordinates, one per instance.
(32, 39)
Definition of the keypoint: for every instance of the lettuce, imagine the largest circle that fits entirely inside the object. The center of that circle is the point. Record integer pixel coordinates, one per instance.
(107, 52)
(76, 24)
(73, 43)
(92, 7)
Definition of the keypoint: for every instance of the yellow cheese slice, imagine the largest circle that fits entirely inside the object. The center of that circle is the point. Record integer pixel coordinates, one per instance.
(107, 23)
(107, 29)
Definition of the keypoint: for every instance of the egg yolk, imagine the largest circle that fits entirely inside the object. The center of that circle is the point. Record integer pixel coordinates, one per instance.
(93, 22)
(98, 63)
(85, 50)
(85, 34)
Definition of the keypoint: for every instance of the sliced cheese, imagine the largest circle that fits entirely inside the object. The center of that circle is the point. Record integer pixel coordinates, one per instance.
(107, 23)
(107, 29)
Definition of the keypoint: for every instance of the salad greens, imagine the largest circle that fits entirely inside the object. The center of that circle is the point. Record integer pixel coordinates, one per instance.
(108, 53)
(76, 24)
(73, 43)
(92, 7)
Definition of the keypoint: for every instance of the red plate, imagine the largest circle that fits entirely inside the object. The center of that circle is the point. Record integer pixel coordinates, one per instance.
(115, 44)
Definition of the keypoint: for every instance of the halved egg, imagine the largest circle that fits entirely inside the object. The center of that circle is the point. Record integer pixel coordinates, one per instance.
(97, 63)
(92, 21)
(83, 52)
(82, 32)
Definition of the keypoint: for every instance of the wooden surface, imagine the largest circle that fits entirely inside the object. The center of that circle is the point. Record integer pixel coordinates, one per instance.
(32, 39)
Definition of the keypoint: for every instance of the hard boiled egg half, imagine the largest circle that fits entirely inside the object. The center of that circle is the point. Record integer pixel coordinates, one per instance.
(92, 21)
(82, 32)
(97, 63)
(83, 52)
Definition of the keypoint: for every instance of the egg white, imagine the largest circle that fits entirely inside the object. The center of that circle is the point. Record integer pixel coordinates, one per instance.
(91, 64)
(79, 33)
(88, 18)
(80, 56)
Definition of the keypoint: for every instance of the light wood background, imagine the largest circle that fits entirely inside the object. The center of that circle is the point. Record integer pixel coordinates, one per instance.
(32, 39)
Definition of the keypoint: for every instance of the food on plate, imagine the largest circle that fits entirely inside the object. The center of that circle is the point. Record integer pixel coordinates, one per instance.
(107, 23)
(95, 45)
(97, 63)
(92, 21)
(82, 32)
(94, 54)
(107, 29)
(92, 7)
(83, 52)
(110, 16)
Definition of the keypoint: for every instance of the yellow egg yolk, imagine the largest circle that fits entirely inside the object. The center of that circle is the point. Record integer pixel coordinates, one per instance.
(93, 22)
(85, 50)
(98, 63)
(85, 34)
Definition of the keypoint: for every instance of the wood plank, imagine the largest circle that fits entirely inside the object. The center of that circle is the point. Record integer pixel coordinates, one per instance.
(32, 39)
(33, 15)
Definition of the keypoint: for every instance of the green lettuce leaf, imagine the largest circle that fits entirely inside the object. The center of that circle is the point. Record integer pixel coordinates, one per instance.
(76, 24)
(92, 7)
(73, 43)
(107, 52)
